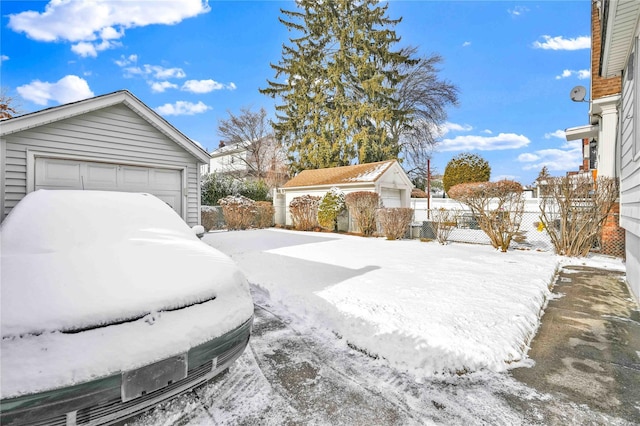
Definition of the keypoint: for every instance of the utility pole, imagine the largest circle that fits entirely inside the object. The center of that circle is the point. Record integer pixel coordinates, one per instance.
(428, 188)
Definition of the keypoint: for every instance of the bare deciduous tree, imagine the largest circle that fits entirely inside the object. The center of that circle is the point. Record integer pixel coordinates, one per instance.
(9, 106)
(424, 97)
(574, 209)
(256, 149)
(497, 206)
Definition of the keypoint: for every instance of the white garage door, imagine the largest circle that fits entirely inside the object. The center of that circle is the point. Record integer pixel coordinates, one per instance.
(391, 198)
(56, 173)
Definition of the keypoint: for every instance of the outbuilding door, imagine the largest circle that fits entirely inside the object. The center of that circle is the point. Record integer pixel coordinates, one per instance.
(58, 173)
(391, 198)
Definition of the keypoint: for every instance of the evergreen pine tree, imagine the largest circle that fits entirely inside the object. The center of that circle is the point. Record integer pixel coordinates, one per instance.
(336, 81)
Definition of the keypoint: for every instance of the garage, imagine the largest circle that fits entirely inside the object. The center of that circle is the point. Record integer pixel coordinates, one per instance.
(391, 198)
(59, 173)
(112, 142)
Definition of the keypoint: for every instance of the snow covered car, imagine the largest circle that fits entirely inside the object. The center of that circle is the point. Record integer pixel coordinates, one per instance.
(110, 305)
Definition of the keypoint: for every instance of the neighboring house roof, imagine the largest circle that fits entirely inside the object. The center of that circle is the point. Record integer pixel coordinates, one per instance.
(358, 173)
(61, 112)
(232, 148)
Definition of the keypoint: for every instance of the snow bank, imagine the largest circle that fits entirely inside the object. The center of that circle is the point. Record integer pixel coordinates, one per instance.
(424, 307)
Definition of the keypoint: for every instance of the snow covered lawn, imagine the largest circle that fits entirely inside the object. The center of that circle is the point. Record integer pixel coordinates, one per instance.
(423, 307)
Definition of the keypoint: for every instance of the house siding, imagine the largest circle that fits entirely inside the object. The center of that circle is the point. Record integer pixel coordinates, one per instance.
(630, 172)
(115, 134)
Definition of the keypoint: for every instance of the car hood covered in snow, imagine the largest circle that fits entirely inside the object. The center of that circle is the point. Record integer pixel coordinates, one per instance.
(79, 259)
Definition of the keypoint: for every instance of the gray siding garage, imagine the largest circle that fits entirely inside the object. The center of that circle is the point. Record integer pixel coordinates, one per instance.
(112, 142)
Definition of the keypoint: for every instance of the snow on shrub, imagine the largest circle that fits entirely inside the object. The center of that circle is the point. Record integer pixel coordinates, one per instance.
(239, 212)
(304, 212)
(362, 207)
(395, 221)
(264, 214)
(497, 206)
(331, 205)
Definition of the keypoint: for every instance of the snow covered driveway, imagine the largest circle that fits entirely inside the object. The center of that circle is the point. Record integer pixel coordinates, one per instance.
(299, 370)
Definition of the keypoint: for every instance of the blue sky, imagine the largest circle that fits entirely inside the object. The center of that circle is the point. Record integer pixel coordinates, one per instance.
(515, 64)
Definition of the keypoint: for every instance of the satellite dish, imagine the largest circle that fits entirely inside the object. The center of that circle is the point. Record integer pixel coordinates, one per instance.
(578, 93)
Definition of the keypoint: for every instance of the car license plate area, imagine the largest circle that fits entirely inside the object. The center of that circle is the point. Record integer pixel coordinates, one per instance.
(150, 378)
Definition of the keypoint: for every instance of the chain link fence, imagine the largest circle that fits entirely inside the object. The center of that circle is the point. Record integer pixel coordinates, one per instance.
(531, 236)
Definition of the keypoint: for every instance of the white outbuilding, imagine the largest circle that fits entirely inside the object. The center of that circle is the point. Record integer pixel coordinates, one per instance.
(386, 178)
(112, 142)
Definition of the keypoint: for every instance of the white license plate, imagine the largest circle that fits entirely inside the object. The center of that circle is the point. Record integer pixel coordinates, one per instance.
(144, 380)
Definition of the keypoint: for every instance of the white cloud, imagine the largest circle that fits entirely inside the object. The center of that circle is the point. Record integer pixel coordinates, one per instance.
(452, 127)
(561, 43)
(581, 74)
(487, 131)
(152, 71)
(161, 86)
(567, 157)
(466, 44)
(85, 49)
(557, 134)
(205, 86)
(124, 61)
(4, 58)
(518, 11)
(484, 143)
(94, 22)
(70, 88)
(183, 108)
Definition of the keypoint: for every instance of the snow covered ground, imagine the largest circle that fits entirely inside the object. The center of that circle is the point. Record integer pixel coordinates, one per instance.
(424, 307)
(297, 370)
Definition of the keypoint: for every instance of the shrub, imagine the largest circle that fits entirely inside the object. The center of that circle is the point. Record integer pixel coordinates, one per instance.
(443, 222)
(465, 168)
(211, 218)
(395, 221)
(304, 212)
(362, 207)
(216, 187)
(497, 206)
(574, 209)
(239, 212)
(256, 190)
(331, 205)
(264, 214)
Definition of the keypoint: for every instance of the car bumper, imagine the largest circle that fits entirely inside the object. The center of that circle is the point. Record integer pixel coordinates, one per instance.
(100, 401)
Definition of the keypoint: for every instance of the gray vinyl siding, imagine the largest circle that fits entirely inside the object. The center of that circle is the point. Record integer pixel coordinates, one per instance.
(115, 134)
(630, 172)
(630, 167)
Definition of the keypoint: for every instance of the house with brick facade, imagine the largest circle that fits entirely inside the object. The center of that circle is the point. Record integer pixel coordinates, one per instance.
(613, 134)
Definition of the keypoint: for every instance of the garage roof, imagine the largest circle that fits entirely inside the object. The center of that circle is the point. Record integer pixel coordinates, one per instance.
(358, 173)
(61, 112)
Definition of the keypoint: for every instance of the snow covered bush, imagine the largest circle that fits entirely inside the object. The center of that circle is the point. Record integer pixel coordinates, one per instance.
(264, 214)
(395, 221)
(363, 206)
(573, 211)
(239, 212)
(443, 222)
(497, 206)
(304, 212)
(331, 205)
